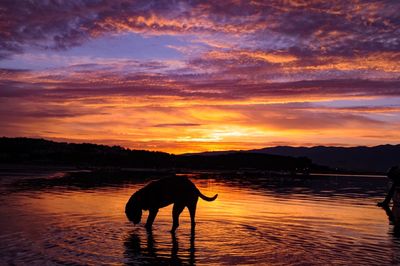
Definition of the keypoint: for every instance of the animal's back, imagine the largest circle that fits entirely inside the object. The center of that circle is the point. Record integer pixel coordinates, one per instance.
(169, 190)
(179, 187)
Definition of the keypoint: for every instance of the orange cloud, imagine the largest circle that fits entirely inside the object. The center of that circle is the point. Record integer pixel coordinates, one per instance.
(174, 124)
(386, 62)
(241, 55)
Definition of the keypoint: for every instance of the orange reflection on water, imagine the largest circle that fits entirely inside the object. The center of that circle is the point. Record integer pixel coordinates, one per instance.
(246, 224)
(234, 204)
(263, 206)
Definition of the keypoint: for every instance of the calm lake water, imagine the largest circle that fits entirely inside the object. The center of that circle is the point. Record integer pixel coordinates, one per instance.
(263, 221)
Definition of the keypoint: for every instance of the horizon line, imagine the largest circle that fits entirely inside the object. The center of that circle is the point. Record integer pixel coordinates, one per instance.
(71, 141)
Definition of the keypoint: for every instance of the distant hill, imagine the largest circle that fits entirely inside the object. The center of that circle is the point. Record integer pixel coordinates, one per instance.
(44, 152)
(375, 159)
(359, 159)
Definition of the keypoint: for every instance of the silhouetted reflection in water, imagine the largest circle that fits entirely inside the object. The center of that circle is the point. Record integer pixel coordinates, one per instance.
(138, 253)
(393, 221)
(259, 221)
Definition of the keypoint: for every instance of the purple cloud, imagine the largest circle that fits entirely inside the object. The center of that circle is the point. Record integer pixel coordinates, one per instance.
(332, 28)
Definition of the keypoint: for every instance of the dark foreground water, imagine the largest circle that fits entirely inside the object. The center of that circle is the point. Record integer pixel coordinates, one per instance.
(278, 221)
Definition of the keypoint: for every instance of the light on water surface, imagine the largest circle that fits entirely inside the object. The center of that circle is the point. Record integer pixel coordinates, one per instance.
(267, 222)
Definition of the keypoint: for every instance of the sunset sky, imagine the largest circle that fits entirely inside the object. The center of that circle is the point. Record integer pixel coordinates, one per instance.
(201, 75)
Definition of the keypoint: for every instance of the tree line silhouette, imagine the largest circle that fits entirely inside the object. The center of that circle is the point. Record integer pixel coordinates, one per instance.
(45, 152)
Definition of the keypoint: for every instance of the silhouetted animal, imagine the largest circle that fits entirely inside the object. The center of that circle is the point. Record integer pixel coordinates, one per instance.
(178, 190)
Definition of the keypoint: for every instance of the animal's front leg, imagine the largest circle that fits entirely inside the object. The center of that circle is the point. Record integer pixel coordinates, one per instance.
(150, 219)
(176, 211)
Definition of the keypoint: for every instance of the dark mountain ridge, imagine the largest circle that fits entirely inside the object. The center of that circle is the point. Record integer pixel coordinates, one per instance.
(361, 158)
(376, 159)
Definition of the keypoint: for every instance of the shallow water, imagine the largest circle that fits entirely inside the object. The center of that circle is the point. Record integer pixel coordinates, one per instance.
(271, 221)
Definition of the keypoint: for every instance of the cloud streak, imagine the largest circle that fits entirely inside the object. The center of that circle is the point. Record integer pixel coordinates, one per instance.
(97, 80)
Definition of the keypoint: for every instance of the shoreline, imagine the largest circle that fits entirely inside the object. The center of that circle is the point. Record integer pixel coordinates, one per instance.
(36, 168)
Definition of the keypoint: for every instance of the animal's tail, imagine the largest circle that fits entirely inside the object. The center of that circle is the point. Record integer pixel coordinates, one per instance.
(207, 198)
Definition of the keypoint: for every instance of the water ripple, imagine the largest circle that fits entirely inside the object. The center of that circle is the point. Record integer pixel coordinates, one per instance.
(266, 223)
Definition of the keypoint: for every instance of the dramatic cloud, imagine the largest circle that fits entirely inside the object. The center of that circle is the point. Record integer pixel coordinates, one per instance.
(304, 27)
(201, 75)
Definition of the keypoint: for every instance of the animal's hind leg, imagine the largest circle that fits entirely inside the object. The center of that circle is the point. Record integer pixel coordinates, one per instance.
(192, 211)
(176, 211)
(150, 218)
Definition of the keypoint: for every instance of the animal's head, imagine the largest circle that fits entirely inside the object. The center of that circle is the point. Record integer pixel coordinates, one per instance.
(133, 209)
